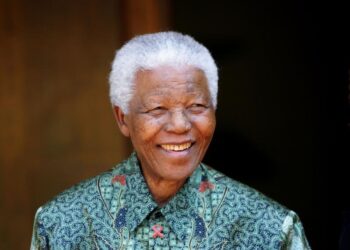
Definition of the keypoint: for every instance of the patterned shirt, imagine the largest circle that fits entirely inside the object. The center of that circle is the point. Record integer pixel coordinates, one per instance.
(116, 210)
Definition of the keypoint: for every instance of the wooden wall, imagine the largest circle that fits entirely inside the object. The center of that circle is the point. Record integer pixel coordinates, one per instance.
(57, 125)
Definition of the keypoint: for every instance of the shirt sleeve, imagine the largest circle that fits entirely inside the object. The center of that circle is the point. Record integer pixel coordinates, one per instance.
(40, 240)
(294, 235)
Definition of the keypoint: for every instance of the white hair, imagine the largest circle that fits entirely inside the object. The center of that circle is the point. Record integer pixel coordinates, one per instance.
(151, 51)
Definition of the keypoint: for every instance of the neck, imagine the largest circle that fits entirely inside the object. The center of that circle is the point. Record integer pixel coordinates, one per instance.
(163, 190)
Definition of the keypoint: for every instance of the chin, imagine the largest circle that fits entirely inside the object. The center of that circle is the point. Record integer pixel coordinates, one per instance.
(179, 175)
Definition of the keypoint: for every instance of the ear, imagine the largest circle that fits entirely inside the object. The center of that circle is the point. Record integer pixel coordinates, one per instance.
(121, 121)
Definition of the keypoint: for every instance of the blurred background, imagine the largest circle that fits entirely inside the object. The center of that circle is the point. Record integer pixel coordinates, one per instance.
(282, 114)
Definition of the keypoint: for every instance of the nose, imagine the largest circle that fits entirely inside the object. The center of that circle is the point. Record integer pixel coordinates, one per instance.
(178, 123)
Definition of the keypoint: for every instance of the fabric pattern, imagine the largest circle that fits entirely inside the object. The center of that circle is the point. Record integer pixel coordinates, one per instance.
(115, 210)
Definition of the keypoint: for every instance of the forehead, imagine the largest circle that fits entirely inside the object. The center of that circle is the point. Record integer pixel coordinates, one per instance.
(168, 78)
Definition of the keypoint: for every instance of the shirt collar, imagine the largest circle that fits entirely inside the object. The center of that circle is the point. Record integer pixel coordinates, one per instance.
(136, 201)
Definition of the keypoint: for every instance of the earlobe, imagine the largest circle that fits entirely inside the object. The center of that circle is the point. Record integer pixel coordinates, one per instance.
(121, 121)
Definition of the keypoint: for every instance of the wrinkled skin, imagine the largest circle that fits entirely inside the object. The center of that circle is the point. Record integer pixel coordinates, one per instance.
(170, 122)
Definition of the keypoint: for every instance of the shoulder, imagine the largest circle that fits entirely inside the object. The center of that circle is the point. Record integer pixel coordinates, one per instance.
(75, 198)
(246, 203)
(88, 196)
(79, 201)
(251, 217)
(71, 218)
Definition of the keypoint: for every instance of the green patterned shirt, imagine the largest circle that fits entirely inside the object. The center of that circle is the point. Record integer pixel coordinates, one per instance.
(115, 210)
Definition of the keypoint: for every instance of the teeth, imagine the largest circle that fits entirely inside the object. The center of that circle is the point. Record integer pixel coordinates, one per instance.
(178, 147)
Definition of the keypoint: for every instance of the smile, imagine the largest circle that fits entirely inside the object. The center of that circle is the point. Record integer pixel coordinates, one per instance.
(176, 147)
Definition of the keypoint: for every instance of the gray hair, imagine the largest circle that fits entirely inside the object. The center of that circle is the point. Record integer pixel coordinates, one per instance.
(153, 50)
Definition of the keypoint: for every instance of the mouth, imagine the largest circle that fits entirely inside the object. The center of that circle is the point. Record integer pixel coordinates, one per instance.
(176, 147)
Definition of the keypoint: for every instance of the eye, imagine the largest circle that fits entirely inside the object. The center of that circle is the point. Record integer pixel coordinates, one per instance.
(156, 110)
(197, 107)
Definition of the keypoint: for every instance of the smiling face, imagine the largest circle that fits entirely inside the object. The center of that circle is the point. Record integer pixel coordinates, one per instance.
(171, 121)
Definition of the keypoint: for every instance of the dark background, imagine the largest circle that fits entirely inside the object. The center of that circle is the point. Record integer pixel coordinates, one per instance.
(283, 103)
(283, 108)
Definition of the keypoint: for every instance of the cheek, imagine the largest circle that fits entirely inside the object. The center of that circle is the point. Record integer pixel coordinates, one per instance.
(206, 126)
(146, 129)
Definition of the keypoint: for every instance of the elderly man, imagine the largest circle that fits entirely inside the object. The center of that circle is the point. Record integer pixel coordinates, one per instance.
(163, 88)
